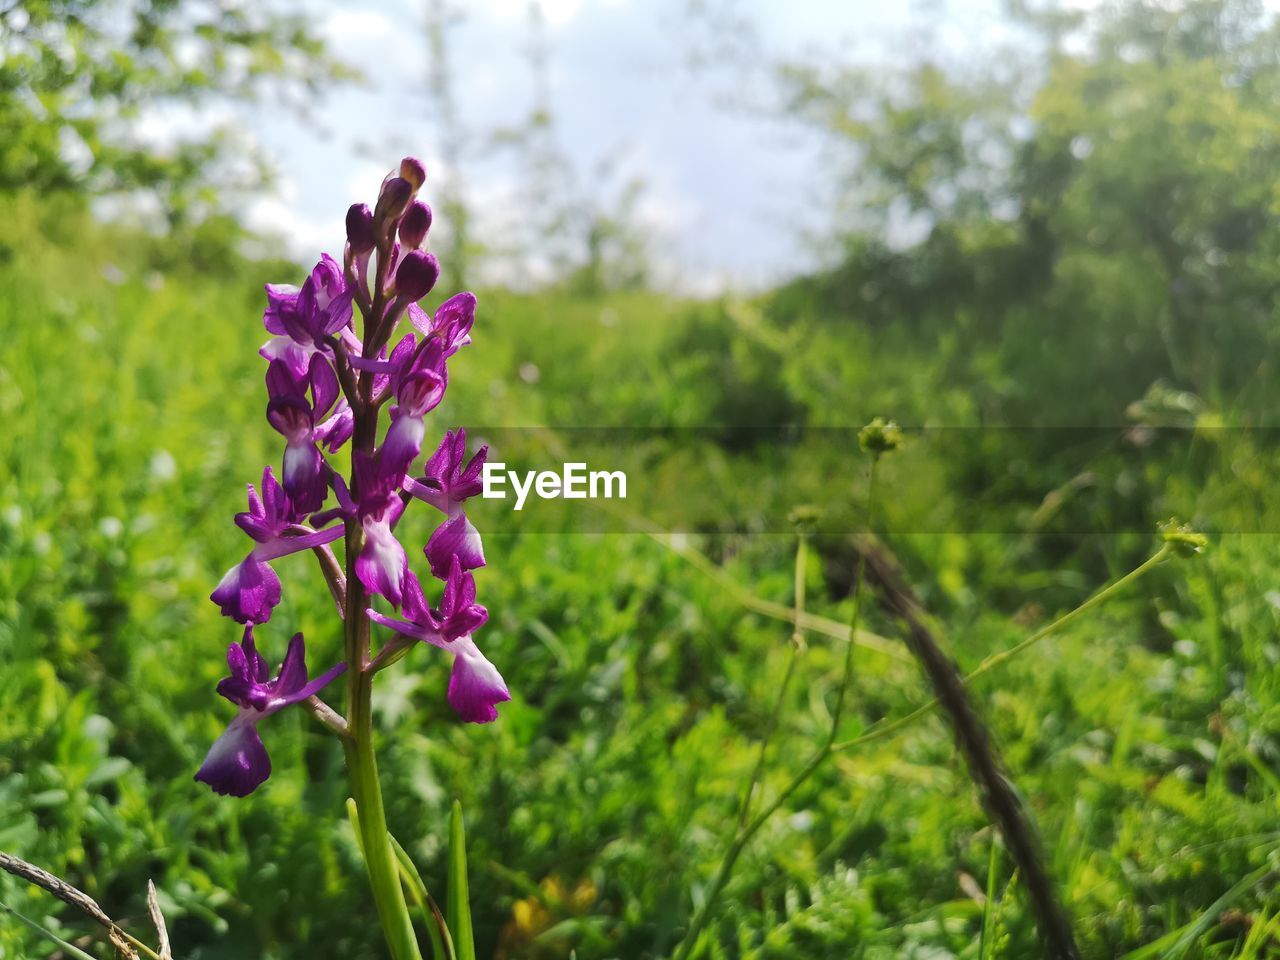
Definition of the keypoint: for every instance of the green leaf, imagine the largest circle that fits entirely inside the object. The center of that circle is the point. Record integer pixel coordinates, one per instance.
(432, 918)
(988, 906)
(458, 909)
(1183, 938)
(67, 948)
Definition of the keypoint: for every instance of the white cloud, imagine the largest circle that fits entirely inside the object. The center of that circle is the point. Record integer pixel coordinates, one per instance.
(305, 237)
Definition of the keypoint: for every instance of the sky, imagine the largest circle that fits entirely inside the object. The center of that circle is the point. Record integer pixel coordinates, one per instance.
(731, 199)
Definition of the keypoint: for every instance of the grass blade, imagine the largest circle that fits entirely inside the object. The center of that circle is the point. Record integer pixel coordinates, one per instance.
(989, 907)
(1179, 941)
(459, 907)
(441, 941)
(67, 948)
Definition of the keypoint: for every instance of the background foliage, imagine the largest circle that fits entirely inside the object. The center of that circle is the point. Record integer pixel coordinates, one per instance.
(1111, 265)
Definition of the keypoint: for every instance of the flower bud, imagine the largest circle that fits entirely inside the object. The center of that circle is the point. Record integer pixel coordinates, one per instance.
(804, 518)
(392, 201)
(416, 275)
(880, 436)
(1184, 538)
(360, 228)
(411, 169)
(414, 225)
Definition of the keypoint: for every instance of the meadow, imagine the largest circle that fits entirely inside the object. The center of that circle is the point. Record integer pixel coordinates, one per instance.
(1143, 735)
(1079, 344)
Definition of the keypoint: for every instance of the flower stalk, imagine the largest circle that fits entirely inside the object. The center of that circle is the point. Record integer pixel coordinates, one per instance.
(748, 826)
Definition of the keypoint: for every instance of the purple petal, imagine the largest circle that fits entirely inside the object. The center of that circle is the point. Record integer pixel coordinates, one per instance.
(420, 319)
(305, 476)
(422, 392)
(286, 351)
(258, 668)
(441, 463)
(429, 491)
(337, 430)
(338, 314)
(459, 613)
(403, 350)
(248, 592)
(313, 687)
(281, 298)
(238, 660)
(415, 630)
(279, 547)
(290, 416)
(454, 538)
(454, 320)
(475, 686)
(468, 482)
(403, 440)
(415, 604)
(324, 386)
(293, 669)
(382, 564)
(237, 763)
(371, 364)
(284, 381)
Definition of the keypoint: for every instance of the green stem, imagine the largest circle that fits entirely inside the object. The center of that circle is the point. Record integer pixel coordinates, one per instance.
(751, 828)
(379, 858)
(996, 659)
(362, 765)
(797, 641)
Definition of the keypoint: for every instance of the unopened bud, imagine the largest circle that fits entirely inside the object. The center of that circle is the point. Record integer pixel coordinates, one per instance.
(392, 201)
(414, 225)
(880, 436)
(411, 169)
(1186, 541)
(804, 518)
(360, 228)
(416, 275)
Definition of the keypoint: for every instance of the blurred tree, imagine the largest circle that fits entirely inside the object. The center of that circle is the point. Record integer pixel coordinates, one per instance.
(441, 16)
(77, 75)
(578, 226)
(1099, 202)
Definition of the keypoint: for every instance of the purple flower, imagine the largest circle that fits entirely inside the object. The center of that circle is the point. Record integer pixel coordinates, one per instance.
(447, 481)
(419, 381)
(446, 484)
(452, 322)
(303, 319)
(249, 590)
(301, 422)
(381, 564)
(475, 686)
(237, 763)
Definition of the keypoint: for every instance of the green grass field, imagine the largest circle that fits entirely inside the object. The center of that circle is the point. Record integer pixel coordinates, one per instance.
(1145, 737)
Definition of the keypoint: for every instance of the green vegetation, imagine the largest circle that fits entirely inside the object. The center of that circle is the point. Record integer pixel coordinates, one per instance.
(1117, 274)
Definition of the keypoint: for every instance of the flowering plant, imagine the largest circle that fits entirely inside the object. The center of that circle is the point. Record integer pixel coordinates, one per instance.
(328, 378)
